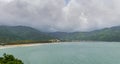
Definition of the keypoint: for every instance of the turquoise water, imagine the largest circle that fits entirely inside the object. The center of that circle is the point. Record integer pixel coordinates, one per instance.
(69, 53)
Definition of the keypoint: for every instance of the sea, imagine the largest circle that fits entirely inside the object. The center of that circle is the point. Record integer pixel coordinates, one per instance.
(68, 53)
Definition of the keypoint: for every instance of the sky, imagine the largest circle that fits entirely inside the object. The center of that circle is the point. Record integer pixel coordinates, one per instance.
(61, 15)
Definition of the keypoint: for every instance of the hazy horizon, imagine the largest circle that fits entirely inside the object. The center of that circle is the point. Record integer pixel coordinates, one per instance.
(60, 15)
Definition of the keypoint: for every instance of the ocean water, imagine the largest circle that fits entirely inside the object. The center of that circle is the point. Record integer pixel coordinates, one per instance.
(68, 53)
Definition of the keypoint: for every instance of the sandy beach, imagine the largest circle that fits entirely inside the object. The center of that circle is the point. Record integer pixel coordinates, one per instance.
(24, 45)
(21, 45)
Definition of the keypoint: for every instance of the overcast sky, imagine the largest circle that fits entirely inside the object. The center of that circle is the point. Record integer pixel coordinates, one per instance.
(61, 15)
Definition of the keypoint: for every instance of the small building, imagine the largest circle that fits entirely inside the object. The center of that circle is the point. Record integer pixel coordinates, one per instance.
(54, 40)
(2, 44)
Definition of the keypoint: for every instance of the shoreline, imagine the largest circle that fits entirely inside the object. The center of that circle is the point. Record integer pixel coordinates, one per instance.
(23, 45)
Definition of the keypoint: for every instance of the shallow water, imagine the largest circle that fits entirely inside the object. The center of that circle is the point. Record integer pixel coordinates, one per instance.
(69, 53)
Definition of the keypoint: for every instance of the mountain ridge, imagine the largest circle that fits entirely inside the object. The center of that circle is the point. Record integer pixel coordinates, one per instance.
(22, 34)
(25, 34)
(106, 34)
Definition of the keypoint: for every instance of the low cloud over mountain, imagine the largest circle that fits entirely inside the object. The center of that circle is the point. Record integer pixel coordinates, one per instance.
(61, 15)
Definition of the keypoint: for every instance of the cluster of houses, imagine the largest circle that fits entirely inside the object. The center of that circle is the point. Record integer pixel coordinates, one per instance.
(2, 44)
(54, 40)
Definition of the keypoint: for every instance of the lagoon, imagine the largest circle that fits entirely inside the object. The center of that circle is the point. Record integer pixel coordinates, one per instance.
(68, 53)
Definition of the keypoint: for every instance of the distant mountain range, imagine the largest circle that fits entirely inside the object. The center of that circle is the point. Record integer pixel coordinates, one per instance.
(107, 34)
(23, 34)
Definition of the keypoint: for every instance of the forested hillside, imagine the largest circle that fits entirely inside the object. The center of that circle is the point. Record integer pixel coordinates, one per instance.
(107, 34)
(22, 34)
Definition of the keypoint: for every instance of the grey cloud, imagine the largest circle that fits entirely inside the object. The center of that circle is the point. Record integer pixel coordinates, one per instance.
(55, 15)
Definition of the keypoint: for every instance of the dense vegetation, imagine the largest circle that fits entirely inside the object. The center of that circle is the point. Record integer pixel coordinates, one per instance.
(22, 34)
(107, 34)
(9, 59)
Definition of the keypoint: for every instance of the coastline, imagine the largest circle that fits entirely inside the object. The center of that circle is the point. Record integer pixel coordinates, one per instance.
(23, 45)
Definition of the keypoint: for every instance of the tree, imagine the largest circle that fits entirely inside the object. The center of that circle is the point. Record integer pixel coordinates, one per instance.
(9, 59)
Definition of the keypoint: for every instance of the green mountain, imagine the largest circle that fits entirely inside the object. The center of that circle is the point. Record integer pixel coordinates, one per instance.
(107, 34)
(22, 34)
